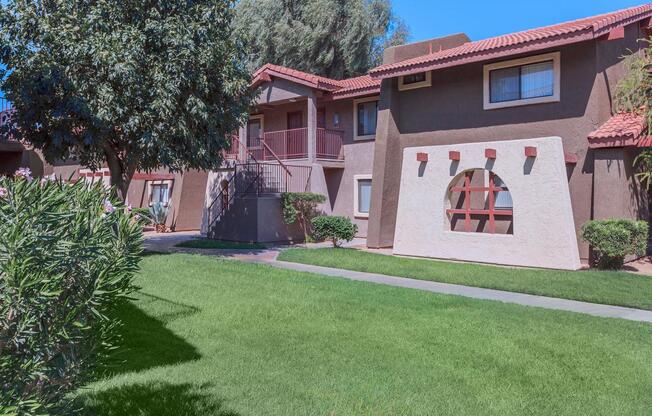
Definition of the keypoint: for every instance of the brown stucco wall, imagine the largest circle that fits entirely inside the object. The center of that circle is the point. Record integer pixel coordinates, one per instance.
(451, 111)
(191, 201)
(615, 186)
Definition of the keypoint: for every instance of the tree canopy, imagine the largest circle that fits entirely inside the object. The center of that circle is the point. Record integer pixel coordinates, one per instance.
(633, 94)
(332, 38)
(132, 84)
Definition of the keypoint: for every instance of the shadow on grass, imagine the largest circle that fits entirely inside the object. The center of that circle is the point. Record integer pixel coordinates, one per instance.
(155, 399)
(146, 341)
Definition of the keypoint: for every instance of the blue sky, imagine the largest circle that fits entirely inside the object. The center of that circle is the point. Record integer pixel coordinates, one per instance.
(485, 18)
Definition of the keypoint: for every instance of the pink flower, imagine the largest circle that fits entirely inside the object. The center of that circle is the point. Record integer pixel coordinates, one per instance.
(129, 208)
(24, 173)
(108, 207)
(137, 217)
(3, 192)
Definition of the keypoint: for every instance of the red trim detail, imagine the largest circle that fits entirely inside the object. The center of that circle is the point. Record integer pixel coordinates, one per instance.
(454, 155)
(490, 153)
(570, 158)
(140, 176)
(491, 211)
(422, 157)
(530, 151)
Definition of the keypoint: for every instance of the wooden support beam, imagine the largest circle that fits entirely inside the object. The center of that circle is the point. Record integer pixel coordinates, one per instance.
(490, 153)
(530, 151)
(454, 155)
(422, 157)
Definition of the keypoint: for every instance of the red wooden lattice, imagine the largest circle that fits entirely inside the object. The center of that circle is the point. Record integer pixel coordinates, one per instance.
(491, 210)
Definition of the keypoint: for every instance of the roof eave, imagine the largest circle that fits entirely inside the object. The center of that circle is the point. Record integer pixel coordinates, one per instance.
(356, 93)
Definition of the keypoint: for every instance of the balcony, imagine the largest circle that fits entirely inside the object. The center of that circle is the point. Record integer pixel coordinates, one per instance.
(293, 144)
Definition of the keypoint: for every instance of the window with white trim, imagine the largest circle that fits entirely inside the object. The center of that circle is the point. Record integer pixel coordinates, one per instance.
(532, 80)
(412, 81)
(159, 191)
(362, 195)
(365, 116)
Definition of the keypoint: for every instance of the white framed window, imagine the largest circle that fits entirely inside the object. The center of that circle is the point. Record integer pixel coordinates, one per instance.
(365, 116)
(361, 195)
(159, 191)
(531, 80)
(412, 81)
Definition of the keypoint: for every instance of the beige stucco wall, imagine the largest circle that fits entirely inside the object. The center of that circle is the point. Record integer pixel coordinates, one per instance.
(544, 230)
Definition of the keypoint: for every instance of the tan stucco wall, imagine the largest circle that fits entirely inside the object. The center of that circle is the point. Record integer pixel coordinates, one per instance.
(544, 233)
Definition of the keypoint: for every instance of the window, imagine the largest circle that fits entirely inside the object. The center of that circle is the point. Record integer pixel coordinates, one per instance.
(480, 202)
(412, 81)
(532, 80)
(159, 191)
(362, 195)
(365, 113)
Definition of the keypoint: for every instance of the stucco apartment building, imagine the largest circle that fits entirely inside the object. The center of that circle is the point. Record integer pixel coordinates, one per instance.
(183, 193)
(497, 150)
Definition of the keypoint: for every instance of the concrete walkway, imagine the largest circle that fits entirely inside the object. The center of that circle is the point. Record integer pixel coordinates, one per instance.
(268, 257)
(605, 311)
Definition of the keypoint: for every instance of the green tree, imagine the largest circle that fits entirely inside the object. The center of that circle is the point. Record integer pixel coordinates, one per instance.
(135, 85)
(633, 94)
(332, 38)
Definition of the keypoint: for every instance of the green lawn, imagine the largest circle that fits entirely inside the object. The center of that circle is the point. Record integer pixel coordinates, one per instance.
(611, 288)
(207, 243)
(217, 337)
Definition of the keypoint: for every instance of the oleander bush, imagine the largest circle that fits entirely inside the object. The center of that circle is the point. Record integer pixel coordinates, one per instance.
(613, 240)
(334, 229)
(68, 254)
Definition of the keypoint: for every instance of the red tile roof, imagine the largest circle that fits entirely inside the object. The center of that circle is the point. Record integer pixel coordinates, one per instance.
(357, 86)
(315, 81)
(623, 129)
(527, 41)
(340, 88)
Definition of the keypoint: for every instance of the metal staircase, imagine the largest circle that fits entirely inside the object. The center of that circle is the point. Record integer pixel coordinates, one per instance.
(252, 179)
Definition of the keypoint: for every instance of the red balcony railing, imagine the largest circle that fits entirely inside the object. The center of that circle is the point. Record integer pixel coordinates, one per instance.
(329, 144)
(233, 151)
(287, 144)
(293, 144)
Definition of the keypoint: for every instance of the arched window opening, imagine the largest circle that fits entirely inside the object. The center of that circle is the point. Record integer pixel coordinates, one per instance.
(479, 201)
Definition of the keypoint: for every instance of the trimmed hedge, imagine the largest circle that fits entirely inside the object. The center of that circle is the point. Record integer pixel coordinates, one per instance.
(613, 240)
(334, 229)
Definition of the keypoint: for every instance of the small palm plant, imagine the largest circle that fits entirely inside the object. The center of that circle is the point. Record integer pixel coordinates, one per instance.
(159, 214)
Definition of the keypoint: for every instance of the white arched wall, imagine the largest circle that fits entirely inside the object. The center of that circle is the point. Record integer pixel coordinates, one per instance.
(544, 230)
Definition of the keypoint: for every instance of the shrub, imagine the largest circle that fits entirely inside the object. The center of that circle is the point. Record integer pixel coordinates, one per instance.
(334, 229)
(67, 258)
(613, 240)
(158, 213)
(301, 207)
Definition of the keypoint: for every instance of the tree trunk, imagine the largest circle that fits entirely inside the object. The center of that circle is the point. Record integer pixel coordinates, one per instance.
(121, 173)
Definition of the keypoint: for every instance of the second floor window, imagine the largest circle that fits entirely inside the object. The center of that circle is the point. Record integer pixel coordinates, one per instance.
(367, 115)
(531, 80)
